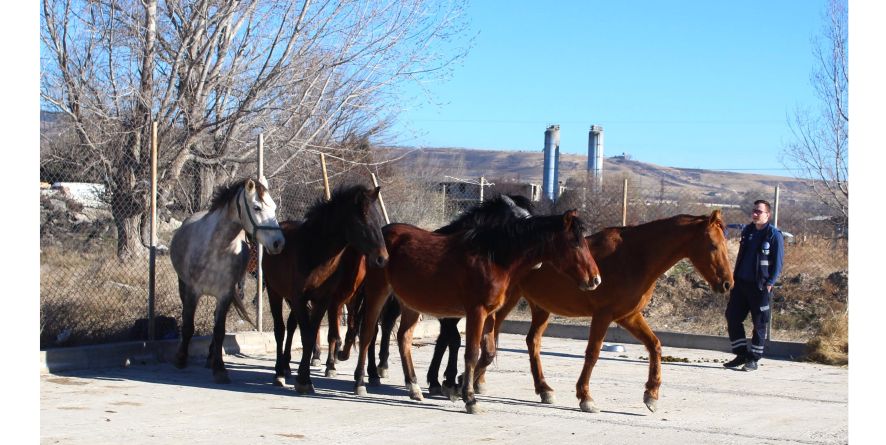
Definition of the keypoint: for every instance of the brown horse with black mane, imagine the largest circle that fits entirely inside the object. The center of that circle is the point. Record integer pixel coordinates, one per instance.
(631, 259)
(321, 264)
(467, 274)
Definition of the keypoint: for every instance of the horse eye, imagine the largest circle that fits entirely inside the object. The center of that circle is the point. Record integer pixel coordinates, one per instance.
(257, 208)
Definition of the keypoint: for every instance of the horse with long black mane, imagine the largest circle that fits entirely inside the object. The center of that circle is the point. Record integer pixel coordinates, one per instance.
(631, 258)
(209, 253)
(499, 210)
(322, 264)
(467, 274)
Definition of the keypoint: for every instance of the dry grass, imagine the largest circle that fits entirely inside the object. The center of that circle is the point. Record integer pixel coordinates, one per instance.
(830, 345)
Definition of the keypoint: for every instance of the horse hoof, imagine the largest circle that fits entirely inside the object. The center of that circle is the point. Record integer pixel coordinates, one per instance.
(651, 403)
(480, 388)
(330, 373)
(221, 377)
(342, 357)
(316, 362)
(360, 391)
(383, 372)
(473, 408)
(374, 381)
(280, 381)
(304, 388)
(435, 390)
(588, 406)
(548, 398)
(451, 392)
(415, 393)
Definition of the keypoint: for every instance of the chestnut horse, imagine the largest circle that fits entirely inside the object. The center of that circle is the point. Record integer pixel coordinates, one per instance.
(467, 274)
(499, 210)
(317, 267)
(631, 258)
(209, 254)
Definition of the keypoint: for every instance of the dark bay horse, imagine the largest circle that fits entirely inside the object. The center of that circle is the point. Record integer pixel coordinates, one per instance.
(467, 274)
(209, 253)
(631, 258)
(321, 265)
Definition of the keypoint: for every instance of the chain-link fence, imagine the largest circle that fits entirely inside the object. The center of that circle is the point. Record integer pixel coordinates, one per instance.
(90, 294)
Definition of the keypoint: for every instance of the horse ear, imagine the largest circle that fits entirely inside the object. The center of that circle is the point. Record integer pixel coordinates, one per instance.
(716, 218)
(263, 181)
(568, 217)
(373, 194)
(249, 186)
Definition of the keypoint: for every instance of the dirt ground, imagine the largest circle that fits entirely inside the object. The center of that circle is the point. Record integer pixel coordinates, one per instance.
(782, 402)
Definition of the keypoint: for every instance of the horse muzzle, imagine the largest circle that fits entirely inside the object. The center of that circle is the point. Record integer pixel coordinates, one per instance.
(590, 285)
(379, 261)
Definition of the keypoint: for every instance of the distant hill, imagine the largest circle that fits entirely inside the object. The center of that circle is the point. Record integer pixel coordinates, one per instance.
(525, 166)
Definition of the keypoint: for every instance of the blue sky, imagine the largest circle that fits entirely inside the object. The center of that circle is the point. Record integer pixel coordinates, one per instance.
(695, 84)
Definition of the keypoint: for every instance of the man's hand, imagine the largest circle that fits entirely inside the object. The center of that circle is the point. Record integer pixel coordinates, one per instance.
(768, 288)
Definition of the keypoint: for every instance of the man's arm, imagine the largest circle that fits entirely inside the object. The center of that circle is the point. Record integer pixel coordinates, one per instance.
(776, 251)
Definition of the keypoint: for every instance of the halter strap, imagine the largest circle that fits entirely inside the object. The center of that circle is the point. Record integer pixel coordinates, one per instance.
(255, 226)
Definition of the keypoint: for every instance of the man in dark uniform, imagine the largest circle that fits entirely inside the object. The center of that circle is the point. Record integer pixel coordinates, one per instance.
(759, 262)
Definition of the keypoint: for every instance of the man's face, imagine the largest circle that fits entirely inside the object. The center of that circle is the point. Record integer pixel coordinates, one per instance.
(760, 215)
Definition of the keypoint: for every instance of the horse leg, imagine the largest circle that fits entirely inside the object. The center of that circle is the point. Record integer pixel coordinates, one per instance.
(351, 335)
(219, 373)
(281, 366)
(332, 339)
(375, 290)
(487, 354)
(291, 324)
(434, 387)
(309, 325)
(637, 326)
(473, 332)
(540, 318)
(189, 306)
(371, 368)
(408, 321)
(599, 325)
(453, 341)
(513, 297)
(389, 316)
(315, 356)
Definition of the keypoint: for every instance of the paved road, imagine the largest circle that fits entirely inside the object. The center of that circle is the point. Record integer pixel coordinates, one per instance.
(783, 402)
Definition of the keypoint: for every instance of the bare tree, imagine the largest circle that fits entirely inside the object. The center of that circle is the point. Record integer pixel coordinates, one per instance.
(820, 152)
(313, 76)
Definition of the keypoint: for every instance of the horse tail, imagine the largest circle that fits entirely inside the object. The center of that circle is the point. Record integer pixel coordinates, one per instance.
(241, 310)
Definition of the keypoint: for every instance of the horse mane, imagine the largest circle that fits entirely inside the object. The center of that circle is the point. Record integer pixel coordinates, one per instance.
(677, 220)
(520, 237)
(493, 212)
(224, 194)
(323, 211)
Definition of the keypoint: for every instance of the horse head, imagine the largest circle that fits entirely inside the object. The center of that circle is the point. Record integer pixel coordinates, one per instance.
(709, 255)
(363, 227)
(257, 212)
(573, 256)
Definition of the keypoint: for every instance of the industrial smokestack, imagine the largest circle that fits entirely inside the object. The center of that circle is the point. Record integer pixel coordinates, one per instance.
(595, 153)
(550, 181)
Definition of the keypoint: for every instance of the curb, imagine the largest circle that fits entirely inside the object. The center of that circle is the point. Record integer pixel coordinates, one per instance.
(123, 354)
(774, 349)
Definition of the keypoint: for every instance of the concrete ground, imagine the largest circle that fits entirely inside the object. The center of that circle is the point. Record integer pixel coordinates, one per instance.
(701, 402)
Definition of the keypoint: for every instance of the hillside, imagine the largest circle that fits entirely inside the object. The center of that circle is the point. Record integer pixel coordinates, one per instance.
(526, 166)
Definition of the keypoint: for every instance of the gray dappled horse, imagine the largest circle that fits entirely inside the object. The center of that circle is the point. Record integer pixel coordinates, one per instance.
(209, 254)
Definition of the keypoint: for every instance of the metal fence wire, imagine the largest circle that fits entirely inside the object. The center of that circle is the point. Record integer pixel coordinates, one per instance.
(89, 295)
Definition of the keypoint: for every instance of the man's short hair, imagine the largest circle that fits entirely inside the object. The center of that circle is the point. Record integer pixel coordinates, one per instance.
(764, 202)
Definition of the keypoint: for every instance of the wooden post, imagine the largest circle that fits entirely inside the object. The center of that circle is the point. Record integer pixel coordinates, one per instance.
(775, 207)
(624, 204)
(381, 201)
(152, 256)
(325, 177)
(443, 204)
(482, 183)
(259, 251)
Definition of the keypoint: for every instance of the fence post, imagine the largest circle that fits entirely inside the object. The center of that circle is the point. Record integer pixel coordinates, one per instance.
(381, 201)
(259, 254)
(775, 210)
(443, 204)
(482, 181)
(152, 256)
(325, 177)
(624, 203)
